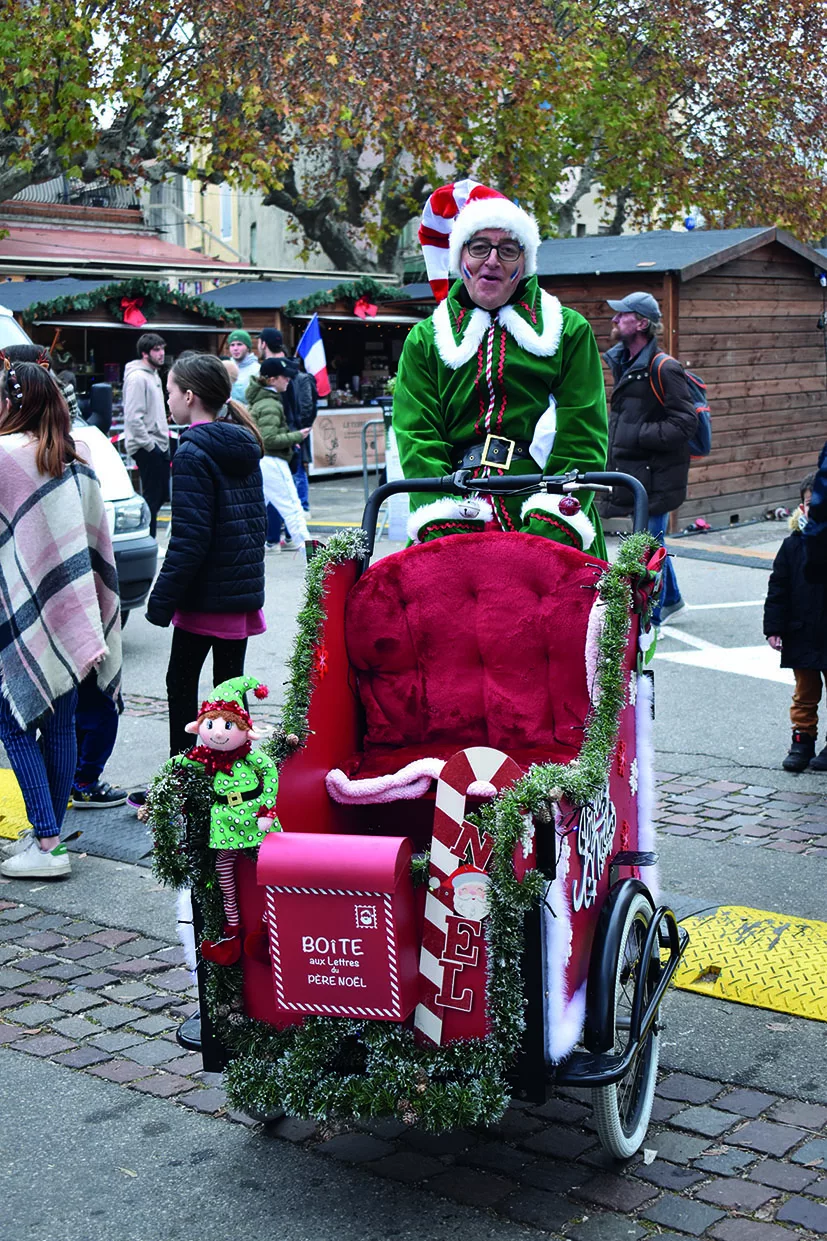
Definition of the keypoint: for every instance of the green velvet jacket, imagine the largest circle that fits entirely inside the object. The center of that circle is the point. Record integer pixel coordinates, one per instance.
(466, 372)
(267, 410)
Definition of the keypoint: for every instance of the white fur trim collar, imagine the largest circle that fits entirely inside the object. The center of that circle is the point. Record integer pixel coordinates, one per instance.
(577, 522)
(543, 344)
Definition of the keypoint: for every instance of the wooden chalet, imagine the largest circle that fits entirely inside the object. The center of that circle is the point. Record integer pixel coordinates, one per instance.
(742, 307)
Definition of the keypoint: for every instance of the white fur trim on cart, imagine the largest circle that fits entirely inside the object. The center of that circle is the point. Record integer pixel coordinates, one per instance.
(594, 629)
(186, 932)
(578, 522)
(646, 838)
(564, 1016)
(501, 213)
(448, 508)
(412, 781)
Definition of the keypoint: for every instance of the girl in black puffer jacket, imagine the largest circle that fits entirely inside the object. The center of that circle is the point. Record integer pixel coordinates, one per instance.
(211, 586)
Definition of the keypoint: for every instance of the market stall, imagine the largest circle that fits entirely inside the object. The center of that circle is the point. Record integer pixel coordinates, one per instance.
(93, 330)
(363, 338)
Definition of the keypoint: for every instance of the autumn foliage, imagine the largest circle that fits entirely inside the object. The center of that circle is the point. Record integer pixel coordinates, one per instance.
(347, 115)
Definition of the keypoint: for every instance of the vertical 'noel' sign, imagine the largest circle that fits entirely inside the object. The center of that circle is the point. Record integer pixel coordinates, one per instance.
(452, 965)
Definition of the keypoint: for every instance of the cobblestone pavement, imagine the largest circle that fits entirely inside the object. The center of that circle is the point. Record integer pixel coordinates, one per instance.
(149, 706)
(713, 810)
(745, 814)
(721, 1161)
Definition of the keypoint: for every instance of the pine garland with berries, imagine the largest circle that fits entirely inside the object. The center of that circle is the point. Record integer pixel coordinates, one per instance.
(154, 293)
(350, 1069)
(365, 286)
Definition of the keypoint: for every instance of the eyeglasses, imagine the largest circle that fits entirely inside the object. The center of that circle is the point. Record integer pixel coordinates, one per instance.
(508, 251)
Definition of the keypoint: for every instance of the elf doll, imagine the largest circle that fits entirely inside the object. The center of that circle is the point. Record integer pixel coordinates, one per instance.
(245, 783)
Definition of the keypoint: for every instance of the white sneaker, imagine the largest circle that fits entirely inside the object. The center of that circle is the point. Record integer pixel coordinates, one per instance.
(272, 547)
(11, 847)
(37, 863)
(293, 546)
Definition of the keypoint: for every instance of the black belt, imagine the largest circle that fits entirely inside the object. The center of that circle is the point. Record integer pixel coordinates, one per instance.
(498, 451)
(235, 797)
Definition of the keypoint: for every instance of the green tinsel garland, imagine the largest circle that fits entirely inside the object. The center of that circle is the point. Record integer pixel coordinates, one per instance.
(154, 292)
(364, 287)
(347, 1069)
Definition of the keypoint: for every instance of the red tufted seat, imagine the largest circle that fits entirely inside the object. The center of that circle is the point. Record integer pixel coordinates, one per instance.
(471, 640)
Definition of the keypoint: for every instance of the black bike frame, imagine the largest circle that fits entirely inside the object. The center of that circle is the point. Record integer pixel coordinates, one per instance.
(462, 484)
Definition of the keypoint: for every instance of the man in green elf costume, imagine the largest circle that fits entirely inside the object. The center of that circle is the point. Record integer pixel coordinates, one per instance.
(245, 783)
(501, 379)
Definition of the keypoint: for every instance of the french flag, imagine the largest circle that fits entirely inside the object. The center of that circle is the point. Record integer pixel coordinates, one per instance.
(311, 350)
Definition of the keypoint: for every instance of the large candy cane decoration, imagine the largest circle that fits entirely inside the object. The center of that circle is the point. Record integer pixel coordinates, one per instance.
(452, 965)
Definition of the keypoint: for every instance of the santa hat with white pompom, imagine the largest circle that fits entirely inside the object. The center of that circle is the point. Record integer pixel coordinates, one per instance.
(454, 213)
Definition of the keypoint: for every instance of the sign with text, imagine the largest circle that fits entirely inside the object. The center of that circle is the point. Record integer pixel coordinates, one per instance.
(452, 964)
(342, 951)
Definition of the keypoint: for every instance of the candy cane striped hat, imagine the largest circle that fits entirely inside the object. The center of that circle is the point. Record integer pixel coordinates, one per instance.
(454, 213)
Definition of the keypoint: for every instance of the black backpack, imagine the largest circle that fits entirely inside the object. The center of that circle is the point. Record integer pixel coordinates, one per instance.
(306, 400)
(701, 443)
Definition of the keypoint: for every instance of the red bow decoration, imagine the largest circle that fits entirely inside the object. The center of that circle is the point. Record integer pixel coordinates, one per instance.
(647, 582)
(131, 307)
(363, 308)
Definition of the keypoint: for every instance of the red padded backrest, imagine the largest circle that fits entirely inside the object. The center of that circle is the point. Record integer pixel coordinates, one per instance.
(474, 640)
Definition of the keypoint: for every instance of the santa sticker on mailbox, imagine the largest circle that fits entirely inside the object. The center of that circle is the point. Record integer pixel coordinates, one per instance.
(452, 963)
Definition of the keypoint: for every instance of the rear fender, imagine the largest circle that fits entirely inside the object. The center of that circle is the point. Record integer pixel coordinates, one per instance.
(600, 988)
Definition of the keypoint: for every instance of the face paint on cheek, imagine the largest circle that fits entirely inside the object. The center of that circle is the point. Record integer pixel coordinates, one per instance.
(515, 273)
(466, 271)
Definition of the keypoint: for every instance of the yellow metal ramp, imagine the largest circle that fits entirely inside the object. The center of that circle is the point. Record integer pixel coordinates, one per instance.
(12, 810)
(753, 956)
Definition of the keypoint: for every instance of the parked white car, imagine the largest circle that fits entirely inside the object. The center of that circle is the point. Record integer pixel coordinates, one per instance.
(136, 553)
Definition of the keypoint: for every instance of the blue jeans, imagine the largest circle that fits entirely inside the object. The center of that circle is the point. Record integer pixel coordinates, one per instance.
(302, 486)
(96, 725)
(274, 524)
(671, 591)
(44, 765)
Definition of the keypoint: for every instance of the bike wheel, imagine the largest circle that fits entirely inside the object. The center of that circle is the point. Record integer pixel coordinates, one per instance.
(622, 1111)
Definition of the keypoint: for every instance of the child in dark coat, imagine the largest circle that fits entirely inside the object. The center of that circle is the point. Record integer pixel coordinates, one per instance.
(795, 623)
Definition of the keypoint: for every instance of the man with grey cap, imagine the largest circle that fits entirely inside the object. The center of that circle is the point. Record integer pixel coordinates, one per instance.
(648, 439)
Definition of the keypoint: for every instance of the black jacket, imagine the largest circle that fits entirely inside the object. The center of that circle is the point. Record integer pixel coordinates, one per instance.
(215, 557)
(796, 609)
(306, 402)
(648, 440)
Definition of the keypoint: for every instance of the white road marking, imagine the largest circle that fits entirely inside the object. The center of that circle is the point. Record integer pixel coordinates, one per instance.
(748, 661)
(709, 607)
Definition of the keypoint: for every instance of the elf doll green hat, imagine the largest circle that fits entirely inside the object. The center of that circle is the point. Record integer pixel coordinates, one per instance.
(227, 700)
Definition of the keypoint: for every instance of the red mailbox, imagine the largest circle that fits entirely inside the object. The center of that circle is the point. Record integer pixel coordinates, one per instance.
(342, 925)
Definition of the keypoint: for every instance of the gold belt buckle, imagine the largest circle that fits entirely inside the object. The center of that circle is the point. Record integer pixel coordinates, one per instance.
(497, 465)
(235, 798)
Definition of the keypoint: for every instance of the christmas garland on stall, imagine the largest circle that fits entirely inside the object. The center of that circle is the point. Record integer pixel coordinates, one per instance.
(364, 287)
(349, 1069)
(153, 294)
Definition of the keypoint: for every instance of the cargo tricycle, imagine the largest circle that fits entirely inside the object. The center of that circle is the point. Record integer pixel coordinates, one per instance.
(461, 905)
